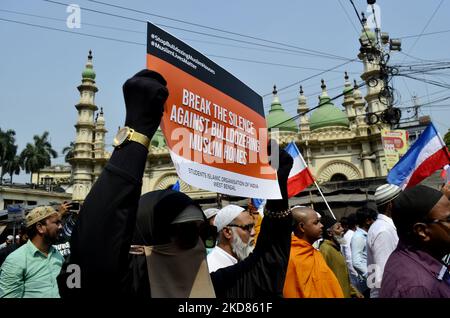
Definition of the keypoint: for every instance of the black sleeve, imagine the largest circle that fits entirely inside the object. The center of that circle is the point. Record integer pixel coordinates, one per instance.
(101, 238)
(261, 274)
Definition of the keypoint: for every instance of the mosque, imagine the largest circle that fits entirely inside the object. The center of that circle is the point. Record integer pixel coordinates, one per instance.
(335, 141)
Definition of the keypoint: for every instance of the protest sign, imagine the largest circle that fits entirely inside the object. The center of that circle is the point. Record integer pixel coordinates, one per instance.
(213, 123)
(395, 145)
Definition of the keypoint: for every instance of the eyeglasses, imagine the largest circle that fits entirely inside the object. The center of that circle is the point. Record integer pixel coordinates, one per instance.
(245, 227)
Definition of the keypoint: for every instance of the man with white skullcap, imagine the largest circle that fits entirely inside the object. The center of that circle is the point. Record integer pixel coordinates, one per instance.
(210, 214)
(236, 237)
(382, 237)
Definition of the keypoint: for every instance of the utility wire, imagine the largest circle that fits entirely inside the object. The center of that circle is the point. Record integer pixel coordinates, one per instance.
(217, 29)
(142, 44)
(206, 34)
(348, 17)
(321, 104)
(426, 25)
(423, 34)
(64, 20)
(71, 32)
(142, 32)
(310, 77)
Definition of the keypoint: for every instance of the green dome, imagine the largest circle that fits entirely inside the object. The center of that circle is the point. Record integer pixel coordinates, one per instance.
(158, 139)
(327, 115)
(88, 73)
(277, 115)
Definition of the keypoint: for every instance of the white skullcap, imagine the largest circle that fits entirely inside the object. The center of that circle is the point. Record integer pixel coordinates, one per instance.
(209, 213)
(386, 193)
(10, 237)
(226, 215)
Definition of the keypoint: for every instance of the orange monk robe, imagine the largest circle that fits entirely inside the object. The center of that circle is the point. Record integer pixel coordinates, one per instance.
(308, 275)
(258, 219)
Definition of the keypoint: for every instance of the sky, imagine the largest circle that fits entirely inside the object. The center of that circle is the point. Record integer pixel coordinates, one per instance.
(41, 57)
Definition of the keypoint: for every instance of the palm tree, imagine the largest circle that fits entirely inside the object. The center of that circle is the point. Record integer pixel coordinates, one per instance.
(37, 156)
(32, 160)
(8, 150)
(69, 152)
(13, 167)
(45, 146)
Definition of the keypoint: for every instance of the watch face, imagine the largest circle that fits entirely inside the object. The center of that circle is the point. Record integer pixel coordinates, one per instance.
(121, 136)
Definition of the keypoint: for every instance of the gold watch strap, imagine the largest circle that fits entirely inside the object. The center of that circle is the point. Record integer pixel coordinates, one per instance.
(140, 138)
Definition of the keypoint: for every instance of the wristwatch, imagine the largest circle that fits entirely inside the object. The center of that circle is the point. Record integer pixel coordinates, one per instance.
(127, 134)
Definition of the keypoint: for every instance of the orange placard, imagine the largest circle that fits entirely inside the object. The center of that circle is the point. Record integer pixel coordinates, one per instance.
(213, 123)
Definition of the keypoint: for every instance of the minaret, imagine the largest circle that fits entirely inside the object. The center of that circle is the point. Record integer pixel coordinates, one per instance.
(100, 157)
(366, 155)
(349, 100)
(371, 75)
(304, 121)
(358, 109)
(82, 163)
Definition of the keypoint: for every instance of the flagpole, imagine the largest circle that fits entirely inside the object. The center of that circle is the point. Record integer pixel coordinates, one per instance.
(318, 188)
(329, 209)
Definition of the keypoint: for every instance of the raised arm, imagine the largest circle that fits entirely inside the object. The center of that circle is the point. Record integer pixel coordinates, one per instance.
(262, 274)
(101, 238)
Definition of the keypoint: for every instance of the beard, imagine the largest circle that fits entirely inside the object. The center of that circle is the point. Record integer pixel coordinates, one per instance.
(240, 249)
(339, 239)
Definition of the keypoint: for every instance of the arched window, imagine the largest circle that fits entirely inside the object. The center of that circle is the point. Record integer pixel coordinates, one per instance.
(338, 177)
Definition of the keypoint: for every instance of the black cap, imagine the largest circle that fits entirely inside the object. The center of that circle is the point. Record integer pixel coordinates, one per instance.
(327, 221)
(412, 206)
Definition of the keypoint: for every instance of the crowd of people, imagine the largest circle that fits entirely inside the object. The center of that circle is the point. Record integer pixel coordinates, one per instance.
(162, 244)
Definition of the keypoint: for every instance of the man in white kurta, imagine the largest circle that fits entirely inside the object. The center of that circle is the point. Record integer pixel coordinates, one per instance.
(382, 237)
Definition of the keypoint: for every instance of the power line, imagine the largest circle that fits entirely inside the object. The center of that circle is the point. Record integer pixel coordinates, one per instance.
(205, 34)
(321, 104)
(348, 16)
(268, 63)
(142, 44)
(362, 24)
(142, 32)
(63, 20)
(287, 102)
(217, 29)
(71, 32)
(423, 34)
(426, 25)
(310, 77)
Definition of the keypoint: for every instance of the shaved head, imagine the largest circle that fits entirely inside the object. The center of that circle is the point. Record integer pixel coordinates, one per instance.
(307, 224)
(302, 214)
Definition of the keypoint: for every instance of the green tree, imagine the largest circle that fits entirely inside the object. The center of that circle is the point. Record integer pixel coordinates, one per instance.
(8, 150)
(68, 152)
(38, 155)
(13, 167)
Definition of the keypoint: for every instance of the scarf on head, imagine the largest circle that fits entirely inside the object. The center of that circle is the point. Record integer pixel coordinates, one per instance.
(172, 271)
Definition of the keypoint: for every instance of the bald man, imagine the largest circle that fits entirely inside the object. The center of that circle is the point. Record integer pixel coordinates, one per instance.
(308, 275)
